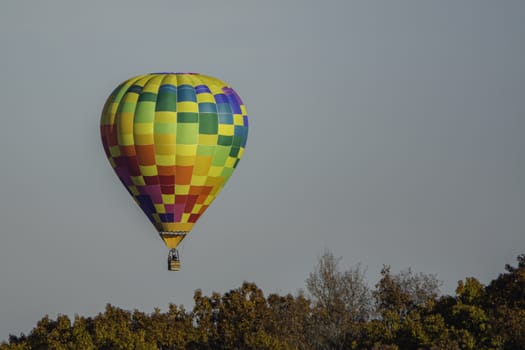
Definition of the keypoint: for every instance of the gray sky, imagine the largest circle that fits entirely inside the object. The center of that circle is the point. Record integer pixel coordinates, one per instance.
(389, 132)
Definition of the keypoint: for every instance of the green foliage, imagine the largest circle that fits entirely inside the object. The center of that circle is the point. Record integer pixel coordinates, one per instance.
(404, 311)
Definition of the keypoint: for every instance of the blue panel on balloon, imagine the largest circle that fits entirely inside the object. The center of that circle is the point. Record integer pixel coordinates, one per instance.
(224, 108)
(207, 107)
(145, 203)
(186, 93)
(166, 217)
(221, 98)
(225, 118)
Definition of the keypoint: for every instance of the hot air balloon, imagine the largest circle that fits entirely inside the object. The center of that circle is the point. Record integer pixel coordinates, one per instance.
(174, 140)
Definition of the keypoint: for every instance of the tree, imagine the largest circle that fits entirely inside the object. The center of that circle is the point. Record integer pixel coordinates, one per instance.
(342, 302)
(405, 292)
(403, 302)
(408, 316)
(509, 288)
(244, 320)
(291, 318)
(82, 337)
(113, 329)
(505, 302)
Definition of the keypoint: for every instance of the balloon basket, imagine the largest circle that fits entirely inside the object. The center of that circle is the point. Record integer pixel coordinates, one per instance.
(173, 260)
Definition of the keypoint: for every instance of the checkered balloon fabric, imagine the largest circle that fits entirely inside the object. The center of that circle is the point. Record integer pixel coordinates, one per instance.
(174, 140)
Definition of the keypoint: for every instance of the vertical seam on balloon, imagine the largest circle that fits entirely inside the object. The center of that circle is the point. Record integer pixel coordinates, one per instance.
(215, 82)
(203, 82)
(195, 80)
(149, 79)
(104, 127)
(189, 186)
(164, 77)
(105, 112)
(176, 77)
(116, 121)
(150, 217)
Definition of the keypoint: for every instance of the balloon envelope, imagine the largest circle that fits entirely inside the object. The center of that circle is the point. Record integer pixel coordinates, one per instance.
(174, 140)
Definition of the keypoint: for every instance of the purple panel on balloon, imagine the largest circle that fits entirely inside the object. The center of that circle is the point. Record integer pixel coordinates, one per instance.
(123, 174)
(153, 192)
(202, 89)
(177, 213)
(221, 98)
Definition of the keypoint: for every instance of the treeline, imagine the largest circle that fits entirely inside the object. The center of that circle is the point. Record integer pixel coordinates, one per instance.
(338, 311)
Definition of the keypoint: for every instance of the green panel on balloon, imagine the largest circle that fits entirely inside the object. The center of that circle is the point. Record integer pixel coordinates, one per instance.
(187, 117)
(227, 172)
(165, 128)
(148, 96)
(225, 140)
(204, 150)
(220, 156)
(208, 123)
(127, 107)
(167, 102)
(187, 133)
(145, 112)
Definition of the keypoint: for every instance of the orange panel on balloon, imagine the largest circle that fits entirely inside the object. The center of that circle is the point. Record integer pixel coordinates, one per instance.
(199, 190)
(183, 175)
(166, 170)
(127, 151)
(145, 154)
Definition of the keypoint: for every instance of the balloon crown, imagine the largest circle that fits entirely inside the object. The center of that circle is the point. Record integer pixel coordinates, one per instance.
(193, 73)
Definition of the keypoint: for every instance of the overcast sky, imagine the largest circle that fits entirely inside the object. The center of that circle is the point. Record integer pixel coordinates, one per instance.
(390, 132)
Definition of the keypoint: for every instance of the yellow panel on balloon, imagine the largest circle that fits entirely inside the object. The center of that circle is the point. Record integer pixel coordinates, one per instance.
(165, 139)
(230, 162)
(214, 181)
(187, 107)
(125, 123)
(172, 241)
(185, 160)
(152, 85)
(205, 97)
(241, 152)
(226, 129)
(198, 180)
(238, 119)
(126, 140)
(165, 117)
(143, 129)
(186, 150)
(177, 226)
(148, 170)
(202, 165)
(114, 151)
(182, 189)
(138, 180)
(208, 200)
(170, 79)
(165, 150)
(160, 208)
(165, 160)
(215, 171)
(168, 198)
(141, 140)
(208, 140)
